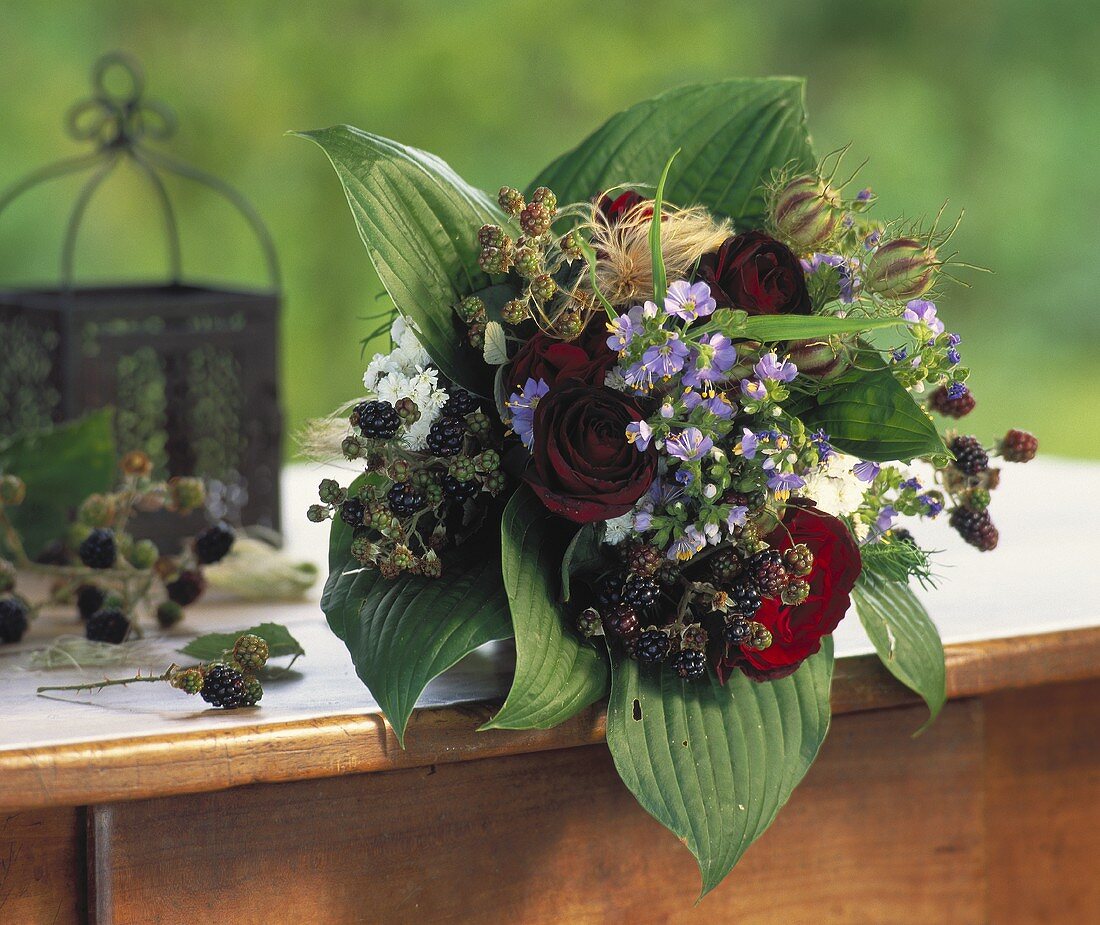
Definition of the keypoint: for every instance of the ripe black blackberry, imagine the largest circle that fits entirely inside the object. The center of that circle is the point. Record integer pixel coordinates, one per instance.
(767, 571)
(689, 664)
(737, 631)
(99, 549)
(13, 618)
(186, 588)
(975, 527)
(404, 499)
(378, 420)
(621, 620)
(224, 687)
(744, 598)
(446, 436)
(970, 457)
(352, 512)
(89, 599)
(108, 625)
(950, 407)
(460, 491)
(609, 590)
(652, 646)
(1019, 446)
(214, 543)
(641, 590)
(460, 404)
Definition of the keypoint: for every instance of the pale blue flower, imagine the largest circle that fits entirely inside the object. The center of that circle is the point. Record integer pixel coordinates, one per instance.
(866, 471)
(690, 445)
(921, 311)
(522, 404)
(689, 301)
(639, 433)
(769, 367)
(749, 443)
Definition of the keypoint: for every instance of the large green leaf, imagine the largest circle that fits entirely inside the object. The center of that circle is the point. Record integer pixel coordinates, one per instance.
(61, 465)
(211, 646)
(904, 636)
(767, 328)
(731, 136)
(557, 674)
(873, 417)
(715, 764)
(419, 221)
(403, 632)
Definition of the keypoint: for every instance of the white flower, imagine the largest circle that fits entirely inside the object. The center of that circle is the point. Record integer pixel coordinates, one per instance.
(834, 487)
(618, 528)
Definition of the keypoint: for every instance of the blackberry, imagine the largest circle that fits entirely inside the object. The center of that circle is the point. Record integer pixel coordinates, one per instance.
(99, 549)
(799, 560)
(535, 219)
(725, 565)
(13, 618)
(901, 535)
(460, 491)
(460, 404)
(446, 436)
(253, 692)
(588, 622)
(352, 512)
(108, 625)
(975, 527)
(621, 620)
(404, 500)
(376, 419)
(950, 407)
(744, 598)
(795, 592)
(689, 664)
(251, 651)
(641, 590)
(652, 647)
(214, 543)
(737, 632)
(761, 637)
(89, 599)
(188, 680)
(511, 200)
(641, 558)
(609, 590)
(187, 587)
(224, 687)
(1019, 446)
(767, 571)
(694, 637)
(169, 613)
(970, 458)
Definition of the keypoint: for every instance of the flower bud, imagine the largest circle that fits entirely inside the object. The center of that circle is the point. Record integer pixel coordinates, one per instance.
(901, 269)
(805, 213)
(137, 463)
(823, 360)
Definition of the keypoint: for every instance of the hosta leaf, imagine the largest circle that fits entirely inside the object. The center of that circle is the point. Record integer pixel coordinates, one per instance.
(419, 222)
(403, 632)
(731, 135)
(904, 636)
(213, 645)
(582, 553)
(715, 764)
(557, 673)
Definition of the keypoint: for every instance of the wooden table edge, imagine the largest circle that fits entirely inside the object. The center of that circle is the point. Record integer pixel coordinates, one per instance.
(216, 759)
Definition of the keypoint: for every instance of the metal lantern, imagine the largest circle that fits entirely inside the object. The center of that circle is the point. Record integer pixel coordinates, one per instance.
(190, 369)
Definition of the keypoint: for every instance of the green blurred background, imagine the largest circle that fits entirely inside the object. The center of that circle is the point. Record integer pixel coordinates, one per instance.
(993, 105)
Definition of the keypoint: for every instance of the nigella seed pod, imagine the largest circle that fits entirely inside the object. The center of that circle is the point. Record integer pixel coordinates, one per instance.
(805, 213)
(821, 359)
(902, 269)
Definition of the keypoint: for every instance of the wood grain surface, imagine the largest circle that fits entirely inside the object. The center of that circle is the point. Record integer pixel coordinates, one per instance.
(42, 867)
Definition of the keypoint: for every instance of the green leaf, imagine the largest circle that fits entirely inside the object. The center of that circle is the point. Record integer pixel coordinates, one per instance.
(660, 280)
(732, 135)
(582, 553)
(557, 674)
(873, 417)
(213, 646)
(403, 632)
(715, 764)
(904, 636)
(61, 465)
(768, 328)
(419, 221)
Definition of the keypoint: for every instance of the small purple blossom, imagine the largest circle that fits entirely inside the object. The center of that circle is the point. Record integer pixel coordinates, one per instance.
(684, 476)
(737, 517)
(932, 504)
(953, 356)
(899, 354)
(871, 241)
(689, 301)
(865, 194)
(749, 443)
(623, 328)
(769, 367)
(953, 340)
(912, 484)
(866, 471)
(639, 433)
(522, 404)
(690, 445)
(957, 390)
(820, 440)
(712, 361)
(643, 520)
(718, 405)
(687, 545)
(784, 481)
(886, 518)
(921, 311)
(754, 389)
(665, 359)
(847, 271)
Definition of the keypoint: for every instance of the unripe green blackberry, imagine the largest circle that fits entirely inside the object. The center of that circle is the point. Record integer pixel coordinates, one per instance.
(495, 259)
(13, 490)
(399, 470)
(77, 533)
(977, 499)
(694, 637)
(761, 637)
(144, 554)
(330, 492)
(433, 494)
(188, 680)
(402, 557)
(511, 200)
(251, 651)
(570, 245)
(569, 325)
(536, 219)
(317, 513)
(352, 447)
(462, 468)
(429, 565)
(527, 263)
(377, 516)
(543, 287)
(545, 196)
(515, 311)
(471, 309)
(97, 510)
(186, 494)
(487, 461)
(362, 549)
(169, 613)
(479, 424)
(490, 236)
(253, 692)
(589, 623)
(495, 482)
(795, 592)
(475, 335)
(407, 410)
(799, 560)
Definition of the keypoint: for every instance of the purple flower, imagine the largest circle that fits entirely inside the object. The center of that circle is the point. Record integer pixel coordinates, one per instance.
(737, 517)
(886, 518)
(749, 443)
(871, 241)
(953, 356)
(900, 354)
(522, 404)
(820, 440)
(689, 301)
(769, 367)
(845, 268)
(715, 357)
(624, 328)
(783, 481)
(687, 545)
(718, 405)
(957, 390)
(643, 520)
(684, 476)
(912, 484)
(953, 340)
(666, 359)
(921, 311)
(932, 504)
(639, 433)
(754, 389)
(690, 445)
(864, 195)
(866, 471)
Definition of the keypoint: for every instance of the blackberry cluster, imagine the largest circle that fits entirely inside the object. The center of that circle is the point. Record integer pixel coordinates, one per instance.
(652, 646)
(224, 687)
(13, 618)
(1019, 446)
(970, 457)
(376, 419)
(89, 599)
(446, 436)
(214, 543)
(99, 549)
(404, 499)
(109, 625)
(725, 565)
(744, 598)
(975, 527)
(942, 402)
(460, 491)
(767, 571)
(186, 588)
(641, 590)
(460, 404)
(689, 664)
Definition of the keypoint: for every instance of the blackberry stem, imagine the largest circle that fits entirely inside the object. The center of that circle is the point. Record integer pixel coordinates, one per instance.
(99, 685)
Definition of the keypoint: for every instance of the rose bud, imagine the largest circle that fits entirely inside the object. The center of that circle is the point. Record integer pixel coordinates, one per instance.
(902, 269)
(805, 213)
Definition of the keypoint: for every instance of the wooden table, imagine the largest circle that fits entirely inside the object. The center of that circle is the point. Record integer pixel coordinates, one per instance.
(132, 807)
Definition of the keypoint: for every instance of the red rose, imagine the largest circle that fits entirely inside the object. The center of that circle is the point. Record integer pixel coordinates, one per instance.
(797, 631)
(756, 273)
(588, 358)
(614, 209)
(582, 466)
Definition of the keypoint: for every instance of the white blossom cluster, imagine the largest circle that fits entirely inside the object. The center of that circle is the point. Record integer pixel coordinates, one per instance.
(834, 487)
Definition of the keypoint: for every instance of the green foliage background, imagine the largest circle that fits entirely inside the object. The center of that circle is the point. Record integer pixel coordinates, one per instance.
(994, 105)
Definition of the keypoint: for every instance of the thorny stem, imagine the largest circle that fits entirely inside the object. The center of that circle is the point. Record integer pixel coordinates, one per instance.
(99, 685)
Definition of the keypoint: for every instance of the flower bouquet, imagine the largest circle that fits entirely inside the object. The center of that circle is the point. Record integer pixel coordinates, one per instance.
(655, 418)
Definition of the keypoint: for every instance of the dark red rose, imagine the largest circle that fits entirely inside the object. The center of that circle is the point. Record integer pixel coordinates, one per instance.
(797, 631)
(582, 466)
(756, 273)
(614, 209)
(588, 358)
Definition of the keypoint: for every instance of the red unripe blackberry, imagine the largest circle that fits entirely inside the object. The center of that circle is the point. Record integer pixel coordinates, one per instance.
(641, 590)
(446, 436)
(186, 588)
(621, 620)
(107, 626)
(970, 457)
(652, 646)
(799, 560)
(767, 571)
(99, 550)
(689, 664)
(950, 407)
(641, 558)
(975, 527)
(725, 565)
(224, 687)
(13, 618)
(214, 543)
(535, 219)
(1019, 446)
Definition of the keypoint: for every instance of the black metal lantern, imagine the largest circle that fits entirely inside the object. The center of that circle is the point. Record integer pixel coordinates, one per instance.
(190, 369)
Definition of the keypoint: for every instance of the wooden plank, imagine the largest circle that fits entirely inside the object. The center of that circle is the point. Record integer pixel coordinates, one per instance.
(42, 867)
(885, 828)
(1043, 804)
(214, 759)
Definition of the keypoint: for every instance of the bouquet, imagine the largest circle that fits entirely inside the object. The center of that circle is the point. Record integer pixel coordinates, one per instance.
(663, 418)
